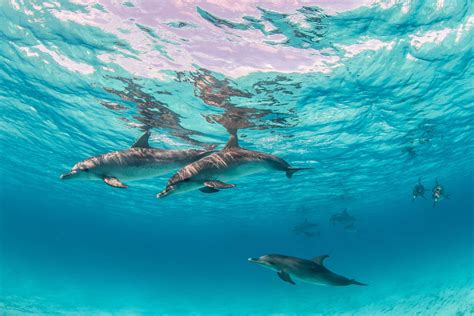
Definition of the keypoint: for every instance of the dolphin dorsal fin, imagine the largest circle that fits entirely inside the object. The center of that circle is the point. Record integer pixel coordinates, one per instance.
(320, 259)
(233, 141)
(142, 142)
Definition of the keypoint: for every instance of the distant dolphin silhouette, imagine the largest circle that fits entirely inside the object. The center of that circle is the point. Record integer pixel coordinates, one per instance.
(438, 193)
(306, 228)
(345, 219)
(209, 174)
(139, 162)
(418, 190)
(311, 271)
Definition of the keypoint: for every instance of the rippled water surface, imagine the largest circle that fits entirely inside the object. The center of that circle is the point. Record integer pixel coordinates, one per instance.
(372, 95)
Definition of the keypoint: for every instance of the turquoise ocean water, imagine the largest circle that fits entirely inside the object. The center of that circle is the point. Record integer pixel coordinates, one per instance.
(371, 94)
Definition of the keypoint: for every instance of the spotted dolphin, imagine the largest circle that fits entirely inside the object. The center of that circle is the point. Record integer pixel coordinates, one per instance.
(438, 193)
(138, 162)
(209, 174)
(311, 271)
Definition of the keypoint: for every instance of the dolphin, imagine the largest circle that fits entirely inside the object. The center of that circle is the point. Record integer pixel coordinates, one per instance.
(311, 271)
(138, 162)
(209, 174)
(418, 190)
(306, 228)
(345, 219)
(438, 193)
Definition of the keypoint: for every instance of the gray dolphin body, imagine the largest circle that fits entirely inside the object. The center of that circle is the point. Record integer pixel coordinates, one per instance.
(307, 229)
(345, 219)
(311, 271)
(418, 190)
(438, 193)
(139, 162)
(210, 173)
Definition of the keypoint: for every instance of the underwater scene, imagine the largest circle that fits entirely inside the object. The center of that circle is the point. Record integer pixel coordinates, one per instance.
(226, 157)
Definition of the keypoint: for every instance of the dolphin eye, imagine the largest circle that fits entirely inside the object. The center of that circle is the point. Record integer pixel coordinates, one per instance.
(186, 180)
(85, 170)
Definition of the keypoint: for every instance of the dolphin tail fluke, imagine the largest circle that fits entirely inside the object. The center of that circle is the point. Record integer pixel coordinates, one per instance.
(290, 171)
(357, 282)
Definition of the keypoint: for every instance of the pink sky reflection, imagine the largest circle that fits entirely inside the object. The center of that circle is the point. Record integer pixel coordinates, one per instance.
(233, 53)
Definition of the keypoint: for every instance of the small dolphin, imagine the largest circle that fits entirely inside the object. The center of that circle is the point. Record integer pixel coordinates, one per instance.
(139, 162)
(418, 190)
(345, 219)
(306, 228)
(209, 174)
(311, 271)
(438, 193)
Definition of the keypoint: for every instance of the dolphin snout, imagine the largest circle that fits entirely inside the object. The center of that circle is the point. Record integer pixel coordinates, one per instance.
(163, 193)
(68, 175)
(254, 260)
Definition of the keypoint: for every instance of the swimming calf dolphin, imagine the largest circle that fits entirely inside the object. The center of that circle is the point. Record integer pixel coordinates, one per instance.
(311, 271)
(418, 190)
(210, 173)
(138, 162)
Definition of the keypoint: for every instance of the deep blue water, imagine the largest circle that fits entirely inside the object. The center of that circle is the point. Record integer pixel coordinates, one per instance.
(372, 96)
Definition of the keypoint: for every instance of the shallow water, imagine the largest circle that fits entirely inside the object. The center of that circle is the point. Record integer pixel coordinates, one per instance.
(372, 95)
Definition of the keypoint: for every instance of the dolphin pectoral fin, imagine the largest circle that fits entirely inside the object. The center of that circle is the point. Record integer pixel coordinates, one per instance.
(208, 190)
(285, 277)
(142, 142)
(357, 282)
(114, 182)
(218, 185)
(320, 259)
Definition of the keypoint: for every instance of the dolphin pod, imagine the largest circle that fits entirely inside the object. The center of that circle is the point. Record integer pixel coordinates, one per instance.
(438, 192)
(208, 171)
(142, 161)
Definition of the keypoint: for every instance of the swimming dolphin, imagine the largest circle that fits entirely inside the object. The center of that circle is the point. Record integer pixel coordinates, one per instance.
(306, 228)
(311, 271)
(345, 219)
(210, 173)
(438, 193)
(138, 162)
(418, 190)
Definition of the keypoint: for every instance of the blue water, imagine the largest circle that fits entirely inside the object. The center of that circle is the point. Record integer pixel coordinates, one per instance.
(371, 95)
